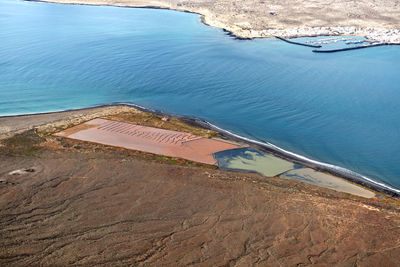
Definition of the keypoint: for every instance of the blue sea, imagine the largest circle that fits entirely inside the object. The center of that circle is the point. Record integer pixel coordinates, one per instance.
(340, 109)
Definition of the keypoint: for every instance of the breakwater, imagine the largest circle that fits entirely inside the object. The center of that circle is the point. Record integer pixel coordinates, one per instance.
(352, 48)
(297, 43)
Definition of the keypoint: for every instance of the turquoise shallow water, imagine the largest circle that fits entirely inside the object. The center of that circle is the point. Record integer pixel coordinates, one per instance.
(249, 159)
(340, 108)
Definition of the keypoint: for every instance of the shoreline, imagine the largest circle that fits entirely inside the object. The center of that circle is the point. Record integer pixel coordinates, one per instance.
(92, 204)
(269, 148)
(379, 35)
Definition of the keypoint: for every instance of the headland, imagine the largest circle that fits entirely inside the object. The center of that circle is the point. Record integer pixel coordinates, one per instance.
(66, 201)
(377, 21)
(54, 122)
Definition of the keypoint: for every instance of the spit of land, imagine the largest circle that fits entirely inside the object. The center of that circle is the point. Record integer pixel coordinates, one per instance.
(66, 201)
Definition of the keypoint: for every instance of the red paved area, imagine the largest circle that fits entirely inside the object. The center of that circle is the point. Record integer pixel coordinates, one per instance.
(148, 139)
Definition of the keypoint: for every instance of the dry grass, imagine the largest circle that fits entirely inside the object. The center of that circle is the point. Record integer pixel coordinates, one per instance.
(163, 122)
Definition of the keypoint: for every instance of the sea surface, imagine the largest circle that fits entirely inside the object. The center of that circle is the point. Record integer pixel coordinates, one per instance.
(341, 109)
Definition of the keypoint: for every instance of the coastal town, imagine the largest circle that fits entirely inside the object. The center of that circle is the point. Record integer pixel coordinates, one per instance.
(373, 35)
(378, 22)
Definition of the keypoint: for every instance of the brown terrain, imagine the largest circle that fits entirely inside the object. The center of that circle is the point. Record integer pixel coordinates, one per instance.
(70, 202)
(149, 139)
(241, 17)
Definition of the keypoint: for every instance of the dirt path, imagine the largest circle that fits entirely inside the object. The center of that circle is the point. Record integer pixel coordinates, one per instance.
(14, 124)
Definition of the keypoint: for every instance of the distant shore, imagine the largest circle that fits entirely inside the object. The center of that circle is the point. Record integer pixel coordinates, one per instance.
(19, 123)
(373, 30)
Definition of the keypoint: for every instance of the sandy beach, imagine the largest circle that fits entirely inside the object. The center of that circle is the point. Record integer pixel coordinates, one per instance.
(377, 21)
(66, 201)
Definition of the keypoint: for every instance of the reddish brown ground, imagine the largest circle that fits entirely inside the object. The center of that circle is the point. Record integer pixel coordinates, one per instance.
(68, 202)
(90, 205)
(148, 139)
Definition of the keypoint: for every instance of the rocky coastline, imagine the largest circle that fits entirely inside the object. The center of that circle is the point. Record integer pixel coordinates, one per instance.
(248, 23)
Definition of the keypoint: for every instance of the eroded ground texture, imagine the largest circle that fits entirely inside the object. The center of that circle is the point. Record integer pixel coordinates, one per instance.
(103, 206)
